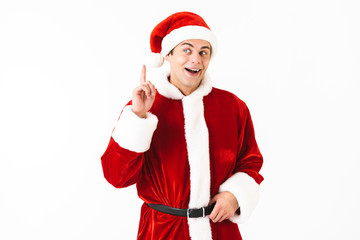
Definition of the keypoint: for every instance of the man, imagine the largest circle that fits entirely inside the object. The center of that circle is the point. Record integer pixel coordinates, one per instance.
(190, 148)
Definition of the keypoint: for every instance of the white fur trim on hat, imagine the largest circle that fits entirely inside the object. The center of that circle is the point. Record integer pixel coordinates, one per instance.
(185, 33)
(134, 133)
(246, 191)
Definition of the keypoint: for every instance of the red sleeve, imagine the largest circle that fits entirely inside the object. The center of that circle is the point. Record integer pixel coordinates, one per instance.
(244, 183)
(124, 157)
(121, 167)
(249, 158)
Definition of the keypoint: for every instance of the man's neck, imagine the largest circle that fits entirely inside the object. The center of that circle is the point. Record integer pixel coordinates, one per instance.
(183, 89)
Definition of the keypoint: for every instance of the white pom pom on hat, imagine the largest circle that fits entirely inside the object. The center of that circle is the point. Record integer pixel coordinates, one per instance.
(154, 60)
(173, 30)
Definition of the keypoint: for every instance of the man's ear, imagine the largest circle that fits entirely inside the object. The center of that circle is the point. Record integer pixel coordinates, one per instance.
(167, 57)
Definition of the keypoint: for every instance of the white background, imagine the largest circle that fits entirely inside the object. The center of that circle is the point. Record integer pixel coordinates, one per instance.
(68, 67)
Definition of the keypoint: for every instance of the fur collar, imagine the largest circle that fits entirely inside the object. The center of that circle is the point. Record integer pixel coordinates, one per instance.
(165, 88)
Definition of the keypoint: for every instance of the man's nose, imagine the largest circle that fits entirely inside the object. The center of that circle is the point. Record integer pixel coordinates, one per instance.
(195, 58)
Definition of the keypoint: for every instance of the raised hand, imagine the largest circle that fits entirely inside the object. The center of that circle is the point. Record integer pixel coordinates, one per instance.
(143, 96)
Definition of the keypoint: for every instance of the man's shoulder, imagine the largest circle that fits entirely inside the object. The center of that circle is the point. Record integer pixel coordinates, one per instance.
(224, 95)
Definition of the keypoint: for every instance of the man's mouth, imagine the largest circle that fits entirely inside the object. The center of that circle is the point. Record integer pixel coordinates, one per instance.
(193, 70)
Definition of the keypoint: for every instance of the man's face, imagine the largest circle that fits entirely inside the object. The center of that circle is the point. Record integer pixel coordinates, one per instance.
(188, 64)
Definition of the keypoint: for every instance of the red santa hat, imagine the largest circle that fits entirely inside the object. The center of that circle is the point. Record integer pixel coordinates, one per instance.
(174, 29)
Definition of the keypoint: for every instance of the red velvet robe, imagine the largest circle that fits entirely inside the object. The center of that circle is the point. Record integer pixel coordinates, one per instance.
(188, 149)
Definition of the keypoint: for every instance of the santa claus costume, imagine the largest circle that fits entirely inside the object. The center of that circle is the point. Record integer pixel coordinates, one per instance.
(187, 149)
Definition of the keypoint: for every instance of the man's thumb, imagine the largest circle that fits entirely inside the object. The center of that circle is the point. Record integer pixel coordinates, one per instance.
(213, 199)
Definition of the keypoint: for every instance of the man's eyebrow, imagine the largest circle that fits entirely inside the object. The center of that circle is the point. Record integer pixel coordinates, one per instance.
(189, 44)
(185, 43)
(207, 47)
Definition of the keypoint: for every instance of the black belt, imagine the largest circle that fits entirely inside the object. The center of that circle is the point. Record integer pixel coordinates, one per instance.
(190, 212)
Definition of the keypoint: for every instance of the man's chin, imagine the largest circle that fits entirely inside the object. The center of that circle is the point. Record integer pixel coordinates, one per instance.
(192, 82)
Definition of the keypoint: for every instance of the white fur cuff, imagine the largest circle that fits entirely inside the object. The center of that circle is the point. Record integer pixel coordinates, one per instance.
(134, 133)
(246, 191)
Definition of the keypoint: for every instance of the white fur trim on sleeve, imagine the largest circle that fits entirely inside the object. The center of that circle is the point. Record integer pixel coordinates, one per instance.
(134, 133)
(246, 191)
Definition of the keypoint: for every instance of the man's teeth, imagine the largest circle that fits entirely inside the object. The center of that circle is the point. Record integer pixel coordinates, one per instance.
(193, 70)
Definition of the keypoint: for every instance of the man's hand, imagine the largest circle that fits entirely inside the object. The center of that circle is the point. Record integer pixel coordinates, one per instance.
(225, 207)
(143, 96)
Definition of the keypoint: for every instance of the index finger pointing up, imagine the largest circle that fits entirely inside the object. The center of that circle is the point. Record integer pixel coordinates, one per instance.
(143, 74)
